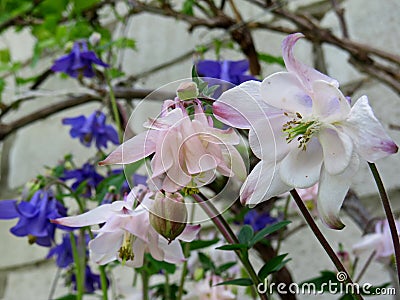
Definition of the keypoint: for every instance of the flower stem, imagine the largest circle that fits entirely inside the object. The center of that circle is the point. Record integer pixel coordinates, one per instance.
(167, 291)
(114, 107)
(145, 285)
(389, 215)
(78, 270)
(103, 281)
(230, 237)
(321, 238)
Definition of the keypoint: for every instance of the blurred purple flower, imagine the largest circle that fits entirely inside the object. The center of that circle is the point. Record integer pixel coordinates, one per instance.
(92, 127)
(86, 173)
(259, 220)
(63, 251)
(92, 281)
(34, 216)
(79, 62)
(228, 70)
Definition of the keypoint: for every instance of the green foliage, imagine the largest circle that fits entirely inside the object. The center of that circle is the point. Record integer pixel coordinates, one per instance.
(200, 244)
(273, 265)
(270, 59)
(153, 266)
(238, 281)
(187, 7)
(67, 297)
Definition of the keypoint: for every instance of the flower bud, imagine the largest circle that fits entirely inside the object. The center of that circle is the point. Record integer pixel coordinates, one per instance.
(168, 215)
(187, 91)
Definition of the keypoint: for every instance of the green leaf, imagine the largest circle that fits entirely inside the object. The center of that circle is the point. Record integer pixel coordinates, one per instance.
(270, 59)
(267, 230)
(67, 297)
(200, 244)
(238, 281)
(80, 5)
(206, 262)
(5, 56)
(233, 247)
(246, 234)
(102, 188)
(187, 7)
(224, 267)
(273, 265)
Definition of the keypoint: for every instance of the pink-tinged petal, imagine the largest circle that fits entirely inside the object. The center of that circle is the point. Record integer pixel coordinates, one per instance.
(165, 154)
(284, 91)
(97, 215)
(234, 162)
(332, 191)
(368, 134)
(172, 252)
(199, 115)
(138, 224)
(267, 140)
(262, 184)
(216, 136)
(170, 119)
(154, 245)
(305, 73)
(301, 168)
(132, 150)
(329, 104)
(138, 248)
(337, 148)
(189, 233)
(370, 242)
(242, 105)
(104, 248)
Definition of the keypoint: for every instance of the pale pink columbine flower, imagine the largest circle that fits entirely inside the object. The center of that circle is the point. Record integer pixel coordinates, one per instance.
(127, 234)
(207, 289)
(187, 149)
(304, 130)
(380, 241)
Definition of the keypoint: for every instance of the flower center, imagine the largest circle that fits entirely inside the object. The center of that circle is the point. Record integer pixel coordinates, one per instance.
(126, 251)
(300, 128)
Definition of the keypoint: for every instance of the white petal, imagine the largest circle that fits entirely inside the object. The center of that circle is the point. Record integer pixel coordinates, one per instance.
(370, 242)
(284, 91)
(306, 74)
(189, 233)
(267, 140)
(329, 104)
(368, 134)
(337, 148)
(235, 162)
(332, 191)
(103, 249)
(242, 105)
(97, 215)
(172, 252)
(138, 249)
(301, 168)
(133, 149)
(262, 184)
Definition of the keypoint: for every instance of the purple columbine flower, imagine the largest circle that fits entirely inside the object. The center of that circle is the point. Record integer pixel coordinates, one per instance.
(92, 281)
(92, 128)
(79, 62)
(259, 220)
(63, 251)
(86, 173)
(228, 70)
(34, 216)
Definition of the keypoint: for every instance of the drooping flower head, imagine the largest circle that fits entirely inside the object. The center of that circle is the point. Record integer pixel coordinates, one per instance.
(127, 234)
(380, 241)
(92, 128)
(187, 149)
(92, 281)
(79, 62)
(34, 216)
(88, 174)
(304, 131)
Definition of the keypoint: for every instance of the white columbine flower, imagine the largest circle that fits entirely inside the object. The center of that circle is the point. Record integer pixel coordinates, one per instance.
(304, 130)
(127, 234)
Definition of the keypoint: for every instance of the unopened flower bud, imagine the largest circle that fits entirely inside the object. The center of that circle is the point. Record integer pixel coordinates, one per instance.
(187, 91)
(168, 215)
